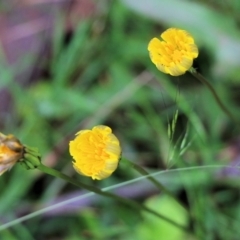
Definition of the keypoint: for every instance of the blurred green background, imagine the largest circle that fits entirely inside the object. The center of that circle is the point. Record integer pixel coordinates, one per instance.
(70, 65)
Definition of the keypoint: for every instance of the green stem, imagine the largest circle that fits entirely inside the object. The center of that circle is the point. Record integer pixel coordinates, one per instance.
(143, 172)
(126, 201)
(198, 76)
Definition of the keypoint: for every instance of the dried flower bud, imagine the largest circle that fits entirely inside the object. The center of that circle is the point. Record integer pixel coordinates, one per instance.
(11, 151)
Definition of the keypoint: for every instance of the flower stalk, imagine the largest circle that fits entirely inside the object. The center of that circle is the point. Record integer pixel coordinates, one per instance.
(203, 80)
(143, 172)
(129, 202)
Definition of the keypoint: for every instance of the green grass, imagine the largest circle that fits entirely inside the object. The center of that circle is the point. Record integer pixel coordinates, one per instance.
(102, 74)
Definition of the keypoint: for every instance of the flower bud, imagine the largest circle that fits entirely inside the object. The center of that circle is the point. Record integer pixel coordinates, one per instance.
(11, 151)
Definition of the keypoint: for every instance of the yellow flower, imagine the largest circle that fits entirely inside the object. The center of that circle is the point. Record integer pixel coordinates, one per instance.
(174, 55)
(11, 150)
(96, 152)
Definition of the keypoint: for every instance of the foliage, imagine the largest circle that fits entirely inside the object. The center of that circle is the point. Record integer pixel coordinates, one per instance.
(100, 73)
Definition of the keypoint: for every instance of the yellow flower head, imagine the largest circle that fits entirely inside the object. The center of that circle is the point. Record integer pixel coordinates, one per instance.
(96, 152)
(175, 53)
(11, 150)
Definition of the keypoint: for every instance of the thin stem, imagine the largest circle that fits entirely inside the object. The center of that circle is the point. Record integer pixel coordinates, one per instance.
(203, 80)
(126, 201)
(143, 172)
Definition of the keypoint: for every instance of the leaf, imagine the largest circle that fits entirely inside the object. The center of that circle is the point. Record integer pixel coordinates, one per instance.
(155, 228)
